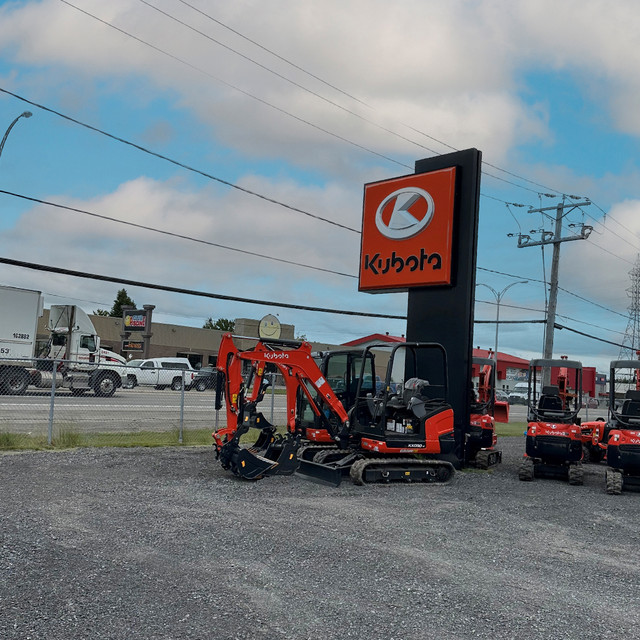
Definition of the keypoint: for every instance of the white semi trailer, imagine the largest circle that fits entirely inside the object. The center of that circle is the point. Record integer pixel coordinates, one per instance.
(73, 346)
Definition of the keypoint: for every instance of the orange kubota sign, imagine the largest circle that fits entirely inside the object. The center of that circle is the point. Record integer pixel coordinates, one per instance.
(407, 231)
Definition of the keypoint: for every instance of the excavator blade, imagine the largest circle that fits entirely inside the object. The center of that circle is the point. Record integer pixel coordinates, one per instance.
(501, 411)
(320, 472)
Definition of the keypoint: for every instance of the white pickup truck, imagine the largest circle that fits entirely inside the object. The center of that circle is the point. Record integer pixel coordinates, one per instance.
(160, 373)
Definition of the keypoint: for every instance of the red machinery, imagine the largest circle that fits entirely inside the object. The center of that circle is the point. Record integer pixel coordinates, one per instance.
(481, 439)
(618, 439)
(554, 439)
(400, 433)
(272, 453)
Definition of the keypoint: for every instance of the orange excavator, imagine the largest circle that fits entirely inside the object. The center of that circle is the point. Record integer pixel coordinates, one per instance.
(617, 440)
(554, 438)
(242, 375)
(404, 431)
(481, 439)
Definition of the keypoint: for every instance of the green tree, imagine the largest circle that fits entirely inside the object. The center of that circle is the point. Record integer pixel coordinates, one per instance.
(122, 300)
(222, 324)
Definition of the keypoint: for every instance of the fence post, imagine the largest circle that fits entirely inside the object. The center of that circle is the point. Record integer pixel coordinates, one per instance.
(52, 403)
(181, 408)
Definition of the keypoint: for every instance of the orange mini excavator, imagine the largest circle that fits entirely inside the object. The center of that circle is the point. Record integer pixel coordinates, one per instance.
(481, 439)
(242, 383)
(403, 431)
(554, 439)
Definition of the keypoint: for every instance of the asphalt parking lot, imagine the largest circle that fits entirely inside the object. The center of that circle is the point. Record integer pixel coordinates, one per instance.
(163, 543)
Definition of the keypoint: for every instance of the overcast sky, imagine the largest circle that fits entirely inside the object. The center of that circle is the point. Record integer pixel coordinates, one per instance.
(302, 103)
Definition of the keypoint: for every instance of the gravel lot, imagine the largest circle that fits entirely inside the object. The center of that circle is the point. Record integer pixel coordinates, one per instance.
(163, 543)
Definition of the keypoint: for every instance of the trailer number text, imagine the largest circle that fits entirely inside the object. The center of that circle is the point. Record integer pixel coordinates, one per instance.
(21, 336)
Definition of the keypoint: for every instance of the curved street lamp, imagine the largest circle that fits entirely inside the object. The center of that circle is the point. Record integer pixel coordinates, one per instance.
(24, 114)
(498, 296)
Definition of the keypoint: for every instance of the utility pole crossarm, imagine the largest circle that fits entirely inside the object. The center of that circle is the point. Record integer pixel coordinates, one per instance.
(549, 238)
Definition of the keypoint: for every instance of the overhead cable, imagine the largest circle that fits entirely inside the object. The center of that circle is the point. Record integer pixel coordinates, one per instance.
(176, 235)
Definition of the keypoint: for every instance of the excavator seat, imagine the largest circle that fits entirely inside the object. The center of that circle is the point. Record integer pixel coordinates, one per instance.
(630, 410)
(550, 403)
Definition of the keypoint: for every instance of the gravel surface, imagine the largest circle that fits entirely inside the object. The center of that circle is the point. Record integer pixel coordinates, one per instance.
(163, 543)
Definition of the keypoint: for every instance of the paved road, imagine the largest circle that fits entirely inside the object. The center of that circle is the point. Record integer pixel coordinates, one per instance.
(137, 409)
(128, 410)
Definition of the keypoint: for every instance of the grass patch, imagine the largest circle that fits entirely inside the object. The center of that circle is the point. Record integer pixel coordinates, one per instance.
(510, 429)
(70, 438)
(10, 441)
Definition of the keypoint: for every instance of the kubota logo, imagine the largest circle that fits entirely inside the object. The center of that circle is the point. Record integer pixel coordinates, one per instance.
(404, 213)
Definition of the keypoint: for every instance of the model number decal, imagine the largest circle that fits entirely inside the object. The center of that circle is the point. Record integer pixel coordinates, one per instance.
(21, 336)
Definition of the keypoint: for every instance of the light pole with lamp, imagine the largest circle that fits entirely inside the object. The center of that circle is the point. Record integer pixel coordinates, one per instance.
(24, 114)
(498, 296)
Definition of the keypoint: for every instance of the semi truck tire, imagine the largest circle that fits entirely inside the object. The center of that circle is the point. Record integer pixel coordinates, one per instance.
(14, 381)
(105, 384)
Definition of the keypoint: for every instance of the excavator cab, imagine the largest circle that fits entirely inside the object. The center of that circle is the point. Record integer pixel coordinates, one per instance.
(343, 370)
(407, 417)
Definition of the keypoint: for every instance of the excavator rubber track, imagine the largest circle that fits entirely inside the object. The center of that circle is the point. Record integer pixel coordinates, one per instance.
(486, 458)
(387, 470)
(307, 451)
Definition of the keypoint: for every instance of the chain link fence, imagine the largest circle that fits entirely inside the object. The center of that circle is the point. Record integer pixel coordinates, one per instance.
(67, 404)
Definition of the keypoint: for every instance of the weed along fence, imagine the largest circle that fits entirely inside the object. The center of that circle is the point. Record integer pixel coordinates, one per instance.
(61, 410)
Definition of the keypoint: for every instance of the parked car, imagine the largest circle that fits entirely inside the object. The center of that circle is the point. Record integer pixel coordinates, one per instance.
(591, 403)
(205, 378)
(501, 396)
(160, 373)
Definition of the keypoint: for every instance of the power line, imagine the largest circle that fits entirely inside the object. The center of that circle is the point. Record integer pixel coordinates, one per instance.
(177, 162)
(267, 257)
(273, 53)
(159, 50)
(234, 87)
(175, 235)
(418, 131)
(191, 292)
(218, 296)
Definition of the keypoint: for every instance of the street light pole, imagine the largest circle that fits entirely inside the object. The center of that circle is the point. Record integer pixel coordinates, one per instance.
(24, 114)
(498, 296)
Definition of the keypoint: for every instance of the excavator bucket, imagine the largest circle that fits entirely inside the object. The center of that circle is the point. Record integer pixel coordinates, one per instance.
(270, 455)
(501, 411)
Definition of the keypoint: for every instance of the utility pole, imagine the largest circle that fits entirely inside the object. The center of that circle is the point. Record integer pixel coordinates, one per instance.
(555, 238)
